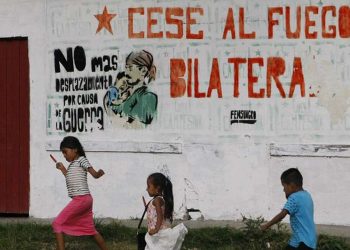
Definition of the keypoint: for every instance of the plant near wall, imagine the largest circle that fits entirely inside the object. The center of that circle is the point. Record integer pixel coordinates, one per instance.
(277, 237)
(254, 238)
(326, 242)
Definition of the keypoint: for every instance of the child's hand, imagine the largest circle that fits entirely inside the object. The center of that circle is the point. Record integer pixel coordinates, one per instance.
(264, 227)
(94, 173)
(100, 172)
(152, 231)
(59, 165)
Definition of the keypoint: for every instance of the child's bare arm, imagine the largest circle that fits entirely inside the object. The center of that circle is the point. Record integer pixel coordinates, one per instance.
(61, 167)
(158, 203)
(94, 173)
(275, 219)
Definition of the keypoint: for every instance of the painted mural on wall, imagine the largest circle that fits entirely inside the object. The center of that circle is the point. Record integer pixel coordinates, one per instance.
(127, 101)
(128, 98)
(226, 66)
(77, 107)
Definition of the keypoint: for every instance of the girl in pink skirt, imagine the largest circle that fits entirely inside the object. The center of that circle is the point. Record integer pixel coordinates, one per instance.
(76, 218)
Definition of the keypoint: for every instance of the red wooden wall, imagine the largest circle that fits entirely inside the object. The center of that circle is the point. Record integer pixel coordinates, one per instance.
(14, 126)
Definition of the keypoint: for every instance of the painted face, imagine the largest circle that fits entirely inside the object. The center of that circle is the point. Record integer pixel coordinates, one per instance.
(288, 189)
(135, 74)
(151, 189)
(70, 154)
(122, 84)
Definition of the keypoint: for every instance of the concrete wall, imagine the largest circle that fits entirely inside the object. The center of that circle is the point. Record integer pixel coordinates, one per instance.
(217, 163)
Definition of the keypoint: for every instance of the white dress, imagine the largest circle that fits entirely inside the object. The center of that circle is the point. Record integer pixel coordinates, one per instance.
(167, 238)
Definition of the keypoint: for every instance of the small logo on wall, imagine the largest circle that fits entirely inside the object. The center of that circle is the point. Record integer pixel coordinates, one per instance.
(243, 116)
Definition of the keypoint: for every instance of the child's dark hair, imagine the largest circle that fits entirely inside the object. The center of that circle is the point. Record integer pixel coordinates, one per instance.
(166, 187)
(73, 143)
(292, 175)
(120, 75)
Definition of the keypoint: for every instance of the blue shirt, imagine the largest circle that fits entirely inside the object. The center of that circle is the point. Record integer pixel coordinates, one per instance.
(301, 210)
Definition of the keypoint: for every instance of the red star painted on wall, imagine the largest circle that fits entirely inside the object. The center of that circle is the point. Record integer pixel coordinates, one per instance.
(104, 20)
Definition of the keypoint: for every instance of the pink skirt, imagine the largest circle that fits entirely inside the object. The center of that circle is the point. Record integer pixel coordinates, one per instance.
(76, 218)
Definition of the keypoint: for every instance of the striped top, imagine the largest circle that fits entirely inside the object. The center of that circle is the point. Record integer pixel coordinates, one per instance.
(76, 177)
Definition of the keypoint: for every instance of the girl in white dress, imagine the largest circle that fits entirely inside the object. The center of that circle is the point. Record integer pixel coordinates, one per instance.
(160, 235)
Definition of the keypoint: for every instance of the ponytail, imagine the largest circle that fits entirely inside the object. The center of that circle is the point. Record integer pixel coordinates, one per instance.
(169, 199)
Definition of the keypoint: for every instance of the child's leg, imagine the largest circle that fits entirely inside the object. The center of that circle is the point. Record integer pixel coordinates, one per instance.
(100, 241)
(60, 241)
(302, 246)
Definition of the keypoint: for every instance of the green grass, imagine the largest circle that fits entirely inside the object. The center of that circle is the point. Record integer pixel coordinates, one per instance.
(39, 236)
(30, 236)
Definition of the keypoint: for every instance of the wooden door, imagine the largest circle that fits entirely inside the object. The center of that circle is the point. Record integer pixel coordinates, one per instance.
(14, 126)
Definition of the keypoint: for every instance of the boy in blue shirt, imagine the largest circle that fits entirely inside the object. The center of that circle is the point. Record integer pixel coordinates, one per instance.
(300, 207)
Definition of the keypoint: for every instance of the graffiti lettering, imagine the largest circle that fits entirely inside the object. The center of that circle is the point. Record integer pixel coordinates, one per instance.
(83, 83)
(243, 116)
(230, 26)
(104, 63)
(87, 99)
(170, 14)
(181, 121)
(79, 59)
(178, 83)
(83, 99)
(81, 119)
(313, 15)
(275, 67)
